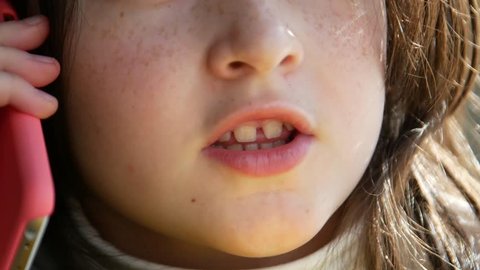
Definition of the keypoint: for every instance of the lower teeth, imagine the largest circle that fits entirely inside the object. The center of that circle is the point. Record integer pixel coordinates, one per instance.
(253, 146)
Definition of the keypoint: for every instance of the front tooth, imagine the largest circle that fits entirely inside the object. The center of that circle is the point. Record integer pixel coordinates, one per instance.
(226, 137)
(246, 133)
(272, 129)
(235, 147)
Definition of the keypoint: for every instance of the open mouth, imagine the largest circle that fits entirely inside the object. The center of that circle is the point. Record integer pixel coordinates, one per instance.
(261, 141)
(251, 136)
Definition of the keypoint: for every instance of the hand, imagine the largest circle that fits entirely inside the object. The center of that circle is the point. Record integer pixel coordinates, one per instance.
(21, 72)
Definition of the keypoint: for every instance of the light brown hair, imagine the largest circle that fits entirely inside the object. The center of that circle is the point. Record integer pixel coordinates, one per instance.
(422, 188)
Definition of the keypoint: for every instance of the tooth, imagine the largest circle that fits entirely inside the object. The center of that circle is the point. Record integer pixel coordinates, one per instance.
(235, 147)
(226, 137)
(279, 143)
(266, 145)
(246, 133)
(272, 129)
(289, 127)
(252, 146)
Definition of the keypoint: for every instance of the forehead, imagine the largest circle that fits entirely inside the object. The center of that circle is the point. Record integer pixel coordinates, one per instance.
(172, 13)
(338, 7)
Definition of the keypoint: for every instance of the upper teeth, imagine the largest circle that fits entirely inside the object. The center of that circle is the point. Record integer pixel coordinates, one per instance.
(226, 137)
(247, 132)
(272, 128)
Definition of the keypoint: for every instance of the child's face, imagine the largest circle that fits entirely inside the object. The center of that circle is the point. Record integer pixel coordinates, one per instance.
(152, 80)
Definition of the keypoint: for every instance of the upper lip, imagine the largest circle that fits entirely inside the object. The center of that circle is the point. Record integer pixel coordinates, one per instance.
(280, 111)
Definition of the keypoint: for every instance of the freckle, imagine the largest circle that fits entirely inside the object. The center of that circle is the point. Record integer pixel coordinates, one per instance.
(122, 14)
(209, 9)
(161, 32)
(105, 33)
(104, 68)
(220, 9)
(131, 168)
(193, 200)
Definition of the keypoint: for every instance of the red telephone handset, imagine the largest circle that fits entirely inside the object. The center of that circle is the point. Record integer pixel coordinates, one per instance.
(26, 186)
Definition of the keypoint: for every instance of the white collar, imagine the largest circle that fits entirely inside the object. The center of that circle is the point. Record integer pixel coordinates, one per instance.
(339, 254)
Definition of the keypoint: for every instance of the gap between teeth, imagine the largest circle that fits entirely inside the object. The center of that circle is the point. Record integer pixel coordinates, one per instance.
(248, 132)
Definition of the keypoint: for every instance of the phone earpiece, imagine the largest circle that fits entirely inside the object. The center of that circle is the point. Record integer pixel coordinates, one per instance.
(7, 13)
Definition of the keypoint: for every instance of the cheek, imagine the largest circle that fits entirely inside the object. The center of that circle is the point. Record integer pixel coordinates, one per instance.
(123, 105)
(354, 109)
(348, 78)
(351, 67)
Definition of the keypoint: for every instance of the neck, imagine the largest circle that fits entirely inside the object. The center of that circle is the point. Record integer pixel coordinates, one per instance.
(140, 242)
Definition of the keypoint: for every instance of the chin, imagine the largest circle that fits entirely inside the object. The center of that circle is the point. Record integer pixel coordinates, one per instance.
(267, 246)
(266, 239)
(262, 225)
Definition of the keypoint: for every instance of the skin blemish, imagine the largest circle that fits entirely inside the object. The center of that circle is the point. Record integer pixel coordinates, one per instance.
(220, 10)
(193, 200)
(122, 14)
(131, 168)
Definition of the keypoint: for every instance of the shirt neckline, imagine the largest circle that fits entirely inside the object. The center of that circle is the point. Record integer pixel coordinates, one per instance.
(338, 254)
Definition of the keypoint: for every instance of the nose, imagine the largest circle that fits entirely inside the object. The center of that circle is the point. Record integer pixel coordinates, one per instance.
(256, 43)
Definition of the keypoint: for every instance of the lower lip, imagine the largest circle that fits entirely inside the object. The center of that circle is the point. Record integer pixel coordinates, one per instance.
(264, 162)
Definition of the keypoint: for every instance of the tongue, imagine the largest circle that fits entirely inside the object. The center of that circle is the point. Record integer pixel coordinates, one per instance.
(261, 138)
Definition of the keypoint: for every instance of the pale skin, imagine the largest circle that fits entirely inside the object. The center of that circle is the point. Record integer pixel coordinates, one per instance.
(22, 73)
(152, 79)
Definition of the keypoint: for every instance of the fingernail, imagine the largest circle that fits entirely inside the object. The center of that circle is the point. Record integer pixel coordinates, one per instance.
(43, 59)
(48, 98)
(34, 20)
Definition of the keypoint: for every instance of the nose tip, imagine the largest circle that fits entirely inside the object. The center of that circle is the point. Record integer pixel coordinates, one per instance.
(267, 49)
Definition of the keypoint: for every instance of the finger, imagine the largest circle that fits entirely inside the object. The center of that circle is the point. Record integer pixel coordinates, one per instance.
(26, 34)
(18, 93)
(38, 70)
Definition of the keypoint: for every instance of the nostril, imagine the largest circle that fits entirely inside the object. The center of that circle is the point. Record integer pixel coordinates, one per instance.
(288, 60)
(236, 65)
